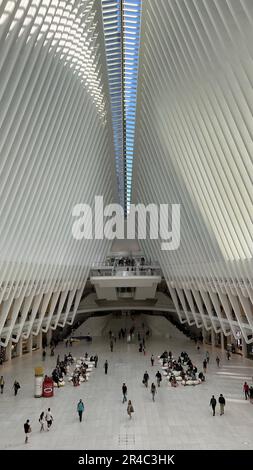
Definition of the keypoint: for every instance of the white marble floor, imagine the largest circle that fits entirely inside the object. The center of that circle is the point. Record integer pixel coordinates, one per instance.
(180, 418)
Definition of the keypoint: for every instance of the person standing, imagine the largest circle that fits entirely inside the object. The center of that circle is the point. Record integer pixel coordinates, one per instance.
(153, 391)
(106, 366)
(218, 361)
(124, 391)
(152, 359)
(251, 394)
(222, 403)
(80, 409)
(204, 365)
(130, 409)
(43, 355)
(246, 390)
(27, 429)
(42, 421)
(213, 404)
(145, 379)
(16, 387)
(228, 355)
(2, 383)
(158, 378)
(49, 418)
(96, 360)
(207, 357)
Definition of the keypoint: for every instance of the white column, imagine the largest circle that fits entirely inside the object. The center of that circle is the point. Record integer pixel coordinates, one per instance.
(39, 340)
(204, 334)
(49, 336)
(244, 348)
(222, 341)
(20, 347)
(8, 351)
(30, 343)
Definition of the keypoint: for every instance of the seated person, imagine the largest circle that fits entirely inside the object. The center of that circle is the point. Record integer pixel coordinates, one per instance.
(164, 355)
(174, 381)
(201, 377)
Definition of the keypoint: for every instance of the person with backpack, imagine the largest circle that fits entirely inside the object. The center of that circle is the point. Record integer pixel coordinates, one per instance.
(145, 379)
(158, 378)
(27, 429)
(222, 403)
(16, 387)
(130, 409)
(49, 418)
(80, 409)
(124, 391)
(213, 404)
(153, 391)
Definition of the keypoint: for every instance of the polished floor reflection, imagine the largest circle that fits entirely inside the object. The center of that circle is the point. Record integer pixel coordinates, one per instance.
(180, 418)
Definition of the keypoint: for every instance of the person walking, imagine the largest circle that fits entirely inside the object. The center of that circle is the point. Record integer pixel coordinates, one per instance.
(80, 409)
(213, 404)
(207, 357)
(27, 429)
(251, 394)
(16, 387)
(152, 359)
(204, 365)
(124, 391)
(222, 403)
(158, 378)
(228, 355)
(49, 418)
(44, 355)
(153, 391)
(42, 421)
(2, 382)
(106, 366)
(96, 360)
(145, 379)
(218, 361)
(130, 409)
(246, 390)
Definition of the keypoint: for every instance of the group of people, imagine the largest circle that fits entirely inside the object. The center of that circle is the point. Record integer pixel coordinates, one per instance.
(183, 366)
(45, 420)
(62, 368)
(16, 385)
(248, 391)
(222, 402)
(153, 387)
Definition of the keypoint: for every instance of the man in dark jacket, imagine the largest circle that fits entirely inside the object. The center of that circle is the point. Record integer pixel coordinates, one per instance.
(213, 404)
(145, 379)
(158, 378)
(124, 391)
(222, 403)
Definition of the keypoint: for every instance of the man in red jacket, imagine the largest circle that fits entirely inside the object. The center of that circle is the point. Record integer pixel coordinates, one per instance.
(246, 390)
